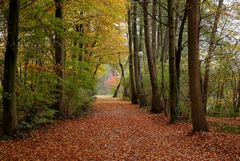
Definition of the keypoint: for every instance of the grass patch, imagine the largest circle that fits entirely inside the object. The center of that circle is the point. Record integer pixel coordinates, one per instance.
(222, 127)
(232, 129)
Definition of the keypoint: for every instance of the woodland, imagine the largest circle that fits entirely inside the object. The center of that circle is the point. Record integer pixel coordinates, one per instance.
(119, 80)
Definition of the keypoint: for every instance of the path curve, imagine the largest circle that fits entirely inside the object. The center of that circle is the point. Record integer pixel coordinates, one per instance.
(118, 130)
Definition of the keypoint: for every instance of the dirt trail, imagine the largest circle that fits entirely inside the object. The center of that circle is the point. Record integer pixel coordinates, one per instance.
(117, 130)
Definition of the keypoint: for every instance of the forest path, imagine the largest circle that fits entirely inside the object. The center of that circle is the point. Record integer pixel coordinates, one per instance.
(118, 130)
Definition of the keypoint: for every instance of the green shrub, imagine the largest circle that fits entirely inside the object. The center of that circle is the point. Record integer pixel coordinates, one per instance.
(223, 127)
(35, 96)
(80, 87)
(78, 101)
(221, 111)
(231, 129)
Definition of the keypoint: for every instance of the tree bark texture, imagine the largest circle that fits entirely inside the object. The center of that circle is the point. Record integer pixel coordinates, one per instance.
(154, 30)
(180, 48)
(173, 92)
(9, 82)
(137, 70)
(60, 60)
(156, 107)
(198, 117)
(131, 66)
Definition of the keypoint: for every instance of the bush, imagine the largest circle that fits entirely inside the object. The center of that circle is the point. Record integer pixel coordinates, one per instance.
(80, 89)
(35, 96)
(79, 101)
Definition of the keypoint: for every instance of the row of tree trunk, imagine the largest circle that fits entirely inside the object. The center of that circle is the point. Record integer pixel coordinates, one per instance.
(153, 41)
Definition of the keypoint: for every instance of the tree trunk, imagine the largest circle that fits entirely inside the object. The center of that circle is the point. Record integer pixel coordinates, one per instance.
(236, 95)
(122, 78)
(198, 117)
(98, 65)
(238, 102)
(60, 60)
(141, 58)
(210, 54)
(131, 67)
(137, 69)
(9, 82)
(154, 30)
(164, 56)
(179, 49)
(80, 29)
(141, 32)
(163, 59)
(156, 107)
(159, 33)
(173, 92)
(142, 49)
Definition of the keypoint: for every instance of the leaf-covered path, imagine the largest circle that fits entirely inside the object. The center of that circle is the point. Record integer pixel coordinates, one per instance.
(117, 130)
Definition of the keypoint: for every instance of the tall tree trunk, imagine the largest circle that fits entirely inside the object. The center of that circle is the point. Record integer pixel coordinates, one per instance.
(137, 69)
(131, 66)
(198, 117)
(141, 50)
(210, 54)
(60, 60)
(174, 112)
(163, 60)
(180, 48)
(159, 54)
(159, 33)
(154, 30)
(9, 82)
(156, 106)
(141, 32)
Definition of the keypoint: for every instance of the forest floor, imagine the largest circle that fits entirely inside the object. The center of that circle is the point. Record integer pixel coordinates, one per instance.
(118, 130)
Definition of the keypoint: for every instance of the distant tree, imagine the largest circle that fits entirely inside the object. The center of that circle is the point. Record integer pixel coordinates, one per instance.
(122, 80)
(9, 82)
(198, 117)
